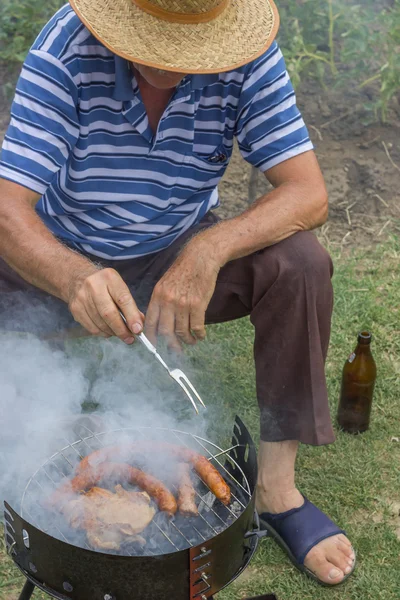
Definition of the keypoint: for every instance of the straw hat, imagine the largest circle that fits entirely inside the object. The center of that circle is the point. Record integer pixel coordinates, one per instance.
(188, 36)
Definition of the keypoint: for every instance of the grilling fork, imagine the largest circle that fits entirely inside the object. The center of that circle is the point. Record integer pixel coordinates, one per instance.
(176, 374)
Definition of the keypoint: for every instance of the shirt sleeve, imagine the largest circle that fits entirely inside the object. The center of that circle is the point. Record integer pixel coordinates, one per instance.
(269, 126)
(44, 124)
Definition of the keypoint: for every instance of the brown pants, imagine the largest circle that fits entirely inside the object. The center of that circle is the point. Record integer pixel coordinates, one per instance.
(286, 289)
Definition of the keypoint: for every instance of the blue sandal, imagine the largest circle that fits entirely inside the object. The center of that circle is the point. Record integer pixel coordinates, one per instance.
(300, 529)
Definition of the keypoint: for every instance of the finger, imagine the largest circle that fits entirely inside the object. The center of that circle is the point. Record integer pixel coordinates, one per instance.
(105, 305)
(152, 316)
(122, 297)
(96, 330)
(166, 327)
(80, 316)
(197, 323)
(109, 313)
(182, 329)
(97, 320)
(83, 317)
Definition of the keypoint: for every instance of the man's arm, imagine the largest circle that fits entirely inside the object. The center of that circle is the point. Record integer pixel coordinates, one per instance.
(299, 202)
(94, 295)
(180, 299)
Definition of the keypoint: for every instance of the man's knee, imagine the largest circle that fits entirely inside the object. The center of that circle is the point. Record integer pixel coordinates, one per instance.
(302, 255)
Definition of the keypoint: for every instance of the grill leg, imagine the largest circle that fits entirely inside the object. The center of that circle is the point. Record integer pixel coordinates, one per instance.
(28, 590)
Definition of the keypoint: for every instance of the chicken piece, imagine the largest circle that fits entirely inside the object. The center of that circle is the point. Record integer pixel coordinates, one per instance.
(108, 518)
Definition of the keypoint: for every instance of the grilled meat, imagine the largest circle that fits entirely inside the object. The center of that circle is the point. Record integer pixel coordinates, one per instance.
(126, 453)
(186, 492)
(108, 518)
(121, 473)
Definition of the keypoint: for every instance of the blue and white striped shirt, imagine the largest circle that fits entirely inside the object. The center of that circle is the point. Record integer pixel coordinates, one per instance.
(80, 137)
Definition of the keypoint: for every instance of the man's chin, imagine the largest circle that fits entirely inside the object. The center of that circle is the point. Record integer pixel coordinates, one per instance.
(158, 78)
(163, 83)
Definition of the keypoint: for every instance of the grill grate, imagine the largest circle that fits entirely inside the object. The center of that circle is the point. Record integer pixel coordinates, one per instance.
(163, 535)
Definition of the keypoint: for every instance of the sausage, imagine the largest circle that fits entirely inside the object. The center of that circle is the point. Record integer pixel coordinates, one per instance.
(93, 475)
(186, 492)
(125, 452)
(212, 478)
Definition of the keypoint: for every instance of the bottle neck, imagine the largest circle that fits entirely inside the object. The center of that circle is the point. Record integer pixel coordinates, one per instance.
(364, 349)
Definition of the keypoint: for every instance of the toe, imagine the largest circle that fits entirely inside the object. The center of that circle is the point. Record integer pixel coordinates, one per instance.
(339, 560)
(331, 559)
(325, 570)
(335, 575)
(341, 537)
(345, 549)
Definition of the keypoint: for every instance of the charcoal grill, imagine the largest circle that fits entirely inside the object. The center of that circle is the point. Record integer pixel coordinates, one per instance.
(184, 559)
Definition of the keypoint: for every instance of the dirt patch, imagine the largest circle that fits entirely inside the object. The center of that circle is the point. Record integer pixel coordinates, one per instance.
(360, 162)
(395, 517)
(356, 160)
(248, 575)
(390, 515)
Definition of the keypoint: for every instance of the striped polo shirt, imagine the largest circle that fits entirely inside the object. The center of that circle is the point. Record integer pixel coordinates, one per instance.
(79, 136)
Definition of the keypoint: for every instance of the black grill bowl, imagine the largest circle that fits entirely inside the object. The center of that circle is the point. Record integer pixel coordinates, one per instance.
(68, 572)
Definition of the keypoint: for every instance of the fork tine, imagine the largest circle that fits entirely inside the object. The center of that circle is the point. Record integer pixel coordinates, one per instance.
(177, 379)
(191, 386)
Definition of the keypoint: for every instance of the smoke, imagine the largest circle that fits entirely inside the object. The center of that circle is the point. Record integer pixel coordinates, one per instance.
(57, 406)
(44, 394)
(37, 387)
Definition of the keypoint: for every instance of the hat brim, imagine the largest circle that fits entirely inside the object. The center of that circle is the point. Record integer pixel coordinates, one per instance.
(240, 34)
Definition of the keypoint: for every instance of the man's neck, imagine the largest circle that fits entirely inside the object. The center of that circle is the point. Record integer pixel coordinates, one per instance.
(154, 100)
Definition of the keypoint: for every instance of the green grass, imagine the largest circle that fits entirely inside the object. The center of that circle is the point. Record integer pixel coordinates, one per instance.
(356, 479)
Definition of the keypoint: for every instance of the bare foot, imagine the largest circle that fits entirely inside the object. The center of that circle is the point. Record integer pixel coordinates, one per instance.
(331, 559)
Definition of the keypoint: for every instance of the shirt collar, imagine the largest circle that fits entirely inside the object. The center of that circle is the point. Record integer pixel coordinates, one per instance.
(123, 89)
(201, 80)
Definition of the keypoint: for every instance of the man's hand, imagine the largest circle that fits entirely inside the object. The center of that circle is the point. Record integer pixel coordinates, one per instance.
(95, 297)
(95, 300)
(181, 297)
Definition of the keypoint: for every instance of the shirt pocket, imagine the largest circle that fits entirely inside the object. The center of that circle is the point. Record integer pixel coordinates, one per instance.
(207, 170)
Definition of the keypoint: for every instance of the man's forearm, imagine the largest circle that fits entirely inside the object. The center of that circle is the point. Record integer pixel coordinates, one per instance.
(32, 251)
(277, 215)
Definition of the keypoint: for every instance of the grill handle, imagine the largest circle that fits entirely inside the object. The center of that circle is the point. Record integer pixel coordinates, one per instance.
(258, 533)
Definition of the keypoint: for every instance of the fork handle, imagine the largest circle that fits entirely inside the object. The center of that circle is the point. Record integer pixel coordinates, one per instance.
(141, 337)
(147, 343)
(149, 346)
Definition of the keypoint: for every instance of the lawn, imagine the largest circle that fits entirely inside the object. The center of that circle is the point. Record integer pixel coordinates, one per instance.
(357, 479)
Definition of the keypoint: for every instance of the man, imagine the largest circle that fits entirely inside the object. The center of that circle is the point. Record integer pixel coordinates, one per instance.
(122, 126)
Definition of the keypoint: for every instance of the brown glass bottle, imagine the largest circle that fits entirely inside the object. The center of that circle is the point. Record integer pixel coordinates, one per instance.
(358, 381)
